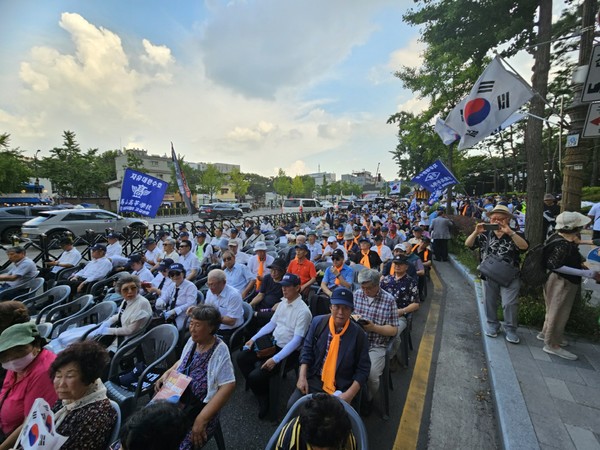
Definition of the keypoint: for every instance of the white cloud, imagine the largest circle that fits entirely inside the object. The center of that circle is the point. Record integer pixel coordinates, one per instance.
(414, 105)
(409, 56)
(156, 54)
(298, 167)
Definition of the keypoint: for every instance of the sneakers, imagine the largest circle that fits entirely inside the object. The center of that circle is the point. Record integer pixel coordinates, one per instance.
(560, 352)
(491, 330)
(512, 336)
(541, 337)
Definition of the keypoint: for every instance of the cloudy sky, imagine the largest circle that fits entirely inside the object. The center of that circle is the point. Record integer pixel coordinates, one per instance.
(260, 83)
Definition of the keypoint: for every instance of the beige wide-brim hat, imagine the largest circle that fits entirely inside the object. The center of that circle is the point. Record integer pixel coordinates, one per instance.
(569, 220)
(500, 209)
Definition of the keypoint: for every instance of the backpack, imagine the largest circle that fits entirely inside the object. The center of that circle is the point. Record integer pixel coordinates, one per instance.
(533, 270)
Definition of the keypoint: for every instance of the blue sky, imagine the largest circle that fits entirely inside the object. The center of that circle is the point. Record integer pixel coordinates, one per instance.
(261, 83)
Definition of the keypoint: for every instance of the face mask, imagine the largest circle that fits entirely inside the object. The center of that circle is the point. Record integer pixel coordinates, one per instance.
(19, 364)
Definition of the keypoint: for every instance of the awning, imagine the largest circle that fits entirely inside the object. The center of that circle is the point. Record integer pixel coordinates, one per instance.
(23, 200)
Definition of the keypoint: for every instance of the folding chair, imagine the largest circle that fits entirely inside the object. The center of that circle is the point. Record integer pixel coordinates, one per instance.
(57, 295)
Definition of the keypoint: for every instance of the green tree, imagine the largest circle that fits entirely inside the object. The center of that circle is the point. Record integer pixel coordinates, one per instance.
(65, 166)
(258, 186)
(323, 190)
(4, 140)
(297, 186)
(133, 160)
(239, 183)
(282, 184)
(210, 180)
(14, 170)
(309, 186)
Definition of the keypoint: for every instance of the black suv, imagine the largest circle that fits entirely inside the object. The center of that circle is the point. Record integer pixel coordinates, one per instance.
(12, 217)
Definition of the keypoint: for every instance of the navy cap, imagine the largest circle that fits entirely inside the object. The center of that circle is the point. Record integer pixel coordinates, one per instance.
(233, 230)
(378, 238)
(163, 233)
(363, 228)
(337, 253)
(364, 240)
(176, 268)
(165, 264)
(400, 260)
(278, 263)
(302, 247)
(99, 247)
(290, 279)
(201, 234)
(149, 241)
(182, 227)
(342, 296)
(417, 229)
(340, 229)
(135, 258)
(112, 236)
(184, 233)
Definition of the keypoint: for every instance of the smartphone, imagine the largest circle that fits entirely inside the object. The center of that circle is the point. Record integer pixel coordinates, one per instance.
(362, 321)
(491, 226)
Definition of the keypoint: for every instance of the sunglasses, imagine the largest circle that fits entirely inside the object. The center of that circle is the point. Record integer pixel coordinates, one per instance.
(337, 258)
(174, 274)
(227, 259)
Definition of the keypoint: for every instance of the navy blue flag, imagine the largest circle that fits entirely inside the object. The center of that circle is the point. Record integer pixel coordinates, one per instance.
(436, 176)
(141, 193)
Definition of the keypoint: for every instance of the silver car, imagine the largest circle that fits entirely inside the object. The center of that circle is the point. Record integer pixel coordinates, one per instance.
(77, 221)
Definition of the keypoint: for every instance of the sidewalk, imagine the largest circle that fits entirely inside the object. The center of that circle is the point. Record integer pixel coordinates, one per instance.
(542, 401)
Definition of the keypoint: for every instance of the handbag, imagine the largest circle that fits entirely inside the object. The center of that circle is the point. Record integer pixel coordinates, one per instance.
(497, 269)
(265, 346)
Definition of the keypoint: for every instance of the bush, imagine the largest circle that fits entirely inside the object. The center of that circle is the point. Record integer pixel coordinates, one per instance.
(584, 316)
(591, 194)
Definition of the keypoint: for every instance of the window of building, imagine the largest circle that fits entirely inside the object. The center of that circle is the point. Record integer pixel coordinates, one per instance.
(154, 163)
(224, 191)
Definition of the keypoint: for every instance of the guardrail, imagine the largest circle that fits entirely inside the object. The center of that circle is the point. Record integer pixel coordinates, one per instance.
(132, 239)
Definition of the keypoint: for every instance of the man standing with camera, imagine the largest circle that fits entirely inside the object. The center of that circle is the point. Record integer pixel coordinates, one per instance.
(503, 242)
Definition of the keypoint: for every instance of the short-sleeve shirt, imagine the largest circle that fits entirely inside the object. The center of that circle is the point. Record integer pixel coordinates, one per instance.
(305, 270)
(254, 263)
(290, 319)
(24, 269)
(96, 269)
(189, 262)
(404, 290)
(238, 277)
(272, 292)
(346, 272)
(595, 213)
(381, 310)
(229, 302)
(71, 257)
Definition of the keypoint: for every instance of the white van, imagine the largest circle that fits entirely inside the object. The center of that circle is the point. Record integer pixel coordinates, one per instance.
(296, 205)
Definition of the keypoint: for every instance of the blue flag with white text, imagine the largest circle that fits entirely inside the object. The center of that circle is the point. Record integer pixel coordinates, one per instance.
(141, 193)
(436, 176)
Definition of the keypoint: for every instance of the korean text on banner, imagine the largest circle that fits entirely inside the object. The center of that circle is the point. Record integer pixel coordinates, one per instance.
(496, 95)
(141, 193)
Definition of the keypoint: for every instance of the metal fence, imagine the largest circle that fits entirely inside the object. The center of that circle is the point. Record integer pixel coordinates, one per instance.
(132, 239)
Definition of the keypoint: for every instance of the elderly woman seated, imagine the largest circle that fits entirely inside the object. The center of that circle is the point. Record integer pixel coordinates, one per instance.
(26, 361)
(205, 359)
(83, 412)
(133, 315)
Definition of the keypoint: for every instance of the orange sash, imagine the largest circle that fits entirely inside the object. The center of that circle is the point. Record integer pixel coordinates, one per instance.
(261, 271)
(328, 373)
(365, 260)
(392, 269)
(379, 247)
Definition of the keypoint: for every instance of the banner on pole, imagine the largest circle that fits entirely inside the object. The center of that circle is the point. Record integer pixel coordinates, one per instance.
(184, 189)
(141, 194)
(435, 177)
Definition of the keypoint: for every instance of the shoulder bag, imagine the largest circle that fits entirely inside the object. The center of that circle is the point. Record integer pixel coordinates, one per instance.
(496, 268)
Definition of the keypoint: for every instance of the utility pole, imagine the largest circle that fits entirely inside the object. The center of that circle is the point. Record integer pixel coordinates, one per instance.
(576, 158)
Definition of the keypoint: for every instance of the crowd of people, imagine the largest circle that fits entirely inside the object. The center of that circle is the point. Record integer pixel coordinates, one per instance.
(329, 296)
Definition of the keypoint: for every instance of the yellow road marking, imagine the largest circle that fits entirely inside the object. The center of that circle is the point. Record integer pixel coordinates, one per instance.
(407, 437)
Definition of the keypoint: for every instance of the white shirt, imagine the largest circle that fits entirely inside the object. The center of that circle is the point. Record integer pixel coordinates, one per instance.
(242, 258)
(173, 255)
(238, 277)
(158, 279)
(152, 256)
(71, 257)
(96, 269)
(229, 302)
(144, 274)
(315, 250)
(186, 297)
(290, 319)
(254, 263)
(595, 213)
(386, 252)
(115, 249)
(189, 262)
(328, 251)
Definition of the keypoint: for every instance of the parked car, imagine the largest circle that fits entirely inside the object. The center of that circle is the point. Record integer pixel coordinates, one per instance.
(295, 205)
(344, 205)
(220, 211)
(78, 221)
(326, 204)
(12, 217)
(246, 207)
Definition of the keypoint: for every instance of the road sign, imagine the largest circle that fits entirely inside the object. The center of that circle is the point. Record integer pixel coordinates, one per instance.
(591, 87)
(591, 127)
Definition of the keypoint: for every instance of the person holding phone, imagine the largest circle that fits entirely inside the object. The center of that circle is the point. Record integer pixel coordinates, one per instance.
(499, 239)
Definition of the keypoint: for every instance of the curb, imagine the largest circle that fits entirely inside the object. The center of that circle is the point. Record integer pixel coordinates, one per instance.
(514, 423)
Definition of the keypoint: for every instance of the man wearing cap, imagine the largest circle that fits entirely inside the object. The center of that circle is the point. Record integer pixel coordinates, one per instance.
(240, 257)
(189, 260)
(234, 237)
(184, 236)
(136, 263)
(169, 250)
(378, 315)
(323, 225)
(315, 249)
(239, 276)
(404, 289)
(177, 297)
(384, 252)
(335, 354)
(162, 236)
(114, 247)
(367, 257)
(403, 250)
(265, 226)
(417, 235)
(204, 250)
(350, 245)
(337, 275)
(288, 327)
(255, 237)
(228, 300)
(161, 280)
(97, 269)
(305, 269)
(269, 295)
(507, 244)
(70, 257)
(153, 255)
(259, 263)
(394, 238)
(441, 233)
(20, 271)
(332, 244)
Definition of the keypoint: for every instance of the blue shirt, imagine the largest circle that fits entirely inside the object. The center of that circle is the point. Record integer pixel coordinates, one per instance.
(346, 271)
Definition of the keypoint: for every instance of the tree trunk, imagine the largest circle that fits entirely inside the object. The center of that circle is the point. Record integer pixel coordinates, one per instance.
(576, 158)
(533, 132)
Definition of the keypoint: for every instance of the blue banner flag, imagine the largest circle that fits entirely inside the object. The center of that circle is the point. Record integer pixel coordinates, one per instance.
(141, 193)
(435, 196)
(436, 176)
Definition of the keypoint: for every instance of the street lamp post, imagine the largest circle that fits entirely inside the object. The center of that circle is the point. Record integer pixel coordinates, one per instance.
(37, 179)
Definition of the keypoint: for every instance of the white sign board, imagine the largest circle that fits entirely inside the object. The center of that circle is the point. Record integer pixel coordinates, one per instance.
(591, 127)
(591, 87)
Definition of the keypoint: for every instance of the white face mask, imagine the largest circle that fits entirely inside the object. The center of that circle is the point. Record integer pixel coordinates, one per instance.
(19, 364)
